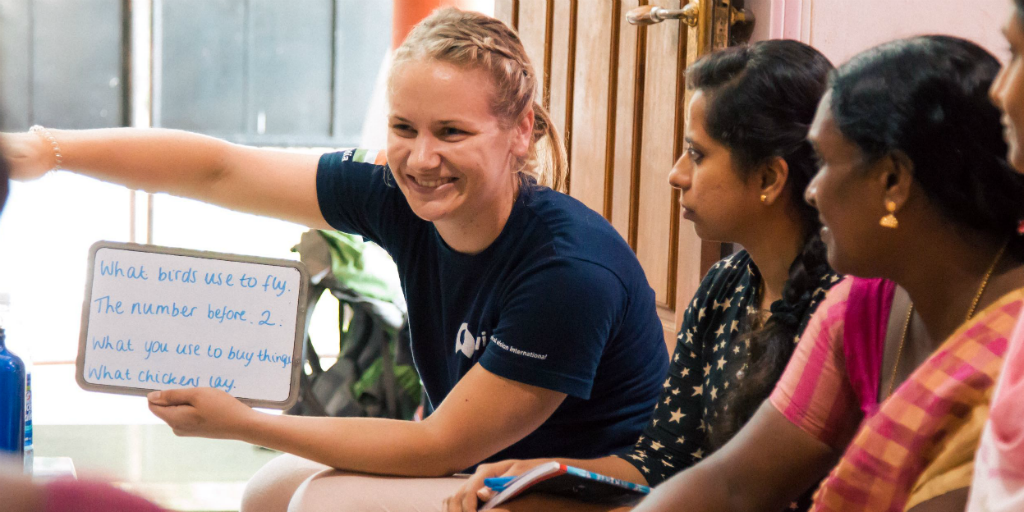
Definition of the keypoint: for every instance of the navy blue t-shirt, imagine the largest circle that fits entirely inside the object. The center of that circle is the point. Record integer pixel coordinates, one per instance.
(557, 301)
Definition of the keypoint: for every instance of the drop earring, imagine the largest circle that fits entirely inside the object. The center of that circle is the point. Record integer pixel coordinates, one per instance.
(889, 221)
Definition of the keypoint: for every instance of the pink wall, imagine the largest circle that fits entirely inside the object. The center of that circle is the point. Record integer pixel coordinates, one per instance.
(842, 28)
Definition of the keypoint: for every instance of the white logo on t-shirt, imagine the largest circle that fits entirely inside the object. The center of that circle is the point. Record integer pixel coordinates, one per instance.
(468, 344)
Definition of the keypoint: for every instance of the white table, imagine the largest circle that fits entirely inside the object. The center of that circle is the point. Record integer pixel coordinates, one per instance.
(48, 468)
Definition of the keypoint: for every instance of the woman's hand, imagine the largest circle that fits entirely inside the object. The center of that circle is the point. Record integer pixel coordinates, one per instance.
(202, 412)
(474, 492)
(28, 154)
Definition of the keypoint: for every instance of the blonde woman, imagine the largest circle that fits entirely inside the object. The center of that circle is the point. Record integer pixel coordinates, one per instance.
(533, 327)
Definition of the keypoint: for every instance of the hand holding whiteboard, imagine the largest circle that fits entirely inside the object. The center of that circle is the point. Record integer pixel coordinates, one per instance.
(158, 318)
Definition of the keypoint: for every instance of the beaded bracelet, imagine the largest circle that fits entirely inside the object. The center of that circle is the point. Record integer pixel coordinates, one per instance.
(44, 133)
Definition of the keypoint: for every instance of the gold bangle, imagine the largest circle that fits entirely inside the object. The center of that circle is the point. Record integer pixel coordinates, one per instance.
(45, 134)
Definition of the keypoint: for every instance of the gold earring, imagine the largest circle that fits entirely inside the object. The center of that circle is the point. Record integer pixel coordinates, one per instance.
(889, 221)
(764, 198)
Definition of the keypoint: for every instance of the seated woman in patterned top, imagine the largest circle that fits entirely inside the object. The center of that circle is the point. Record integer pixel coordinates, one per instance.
(895, 384)
(742, 178)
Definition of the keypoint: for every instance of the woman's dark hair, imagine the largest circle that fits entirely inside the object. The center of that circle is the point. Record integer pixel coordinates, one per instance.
(927, 98)
(1020, 8)
(761, 101)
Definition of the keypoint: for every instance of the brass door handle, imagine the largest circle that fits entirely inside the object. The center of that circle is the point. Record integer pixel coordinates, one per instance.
(740, 16)
(689, 14)
(651, 14)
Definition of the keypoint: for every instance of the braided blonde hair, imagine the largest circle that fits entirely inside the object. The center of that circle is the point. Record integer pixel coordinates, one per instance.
(473, 40)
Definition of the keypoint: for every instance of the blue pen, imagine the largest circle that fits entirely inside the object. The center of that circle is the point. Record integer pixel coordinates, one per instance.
(498, 484)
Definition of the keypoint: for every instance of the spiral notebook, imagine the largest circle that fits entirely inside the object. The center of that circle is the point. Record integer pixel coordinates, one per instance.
(566, 481)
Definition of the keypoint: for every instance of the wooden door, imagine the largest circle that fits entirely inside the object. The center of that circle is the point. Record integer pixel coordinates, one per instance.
(617, 92)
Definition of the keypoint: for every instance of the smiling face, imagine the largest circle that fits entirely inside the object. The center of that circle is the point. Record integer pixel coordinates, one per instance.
(715, 197)
(1008, 91)
(450, 155)
(849, 197)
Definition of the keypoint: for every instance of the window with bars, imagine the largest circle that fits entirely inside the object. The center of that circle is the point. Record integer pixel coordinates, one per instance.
(288, 73)
(266, 72)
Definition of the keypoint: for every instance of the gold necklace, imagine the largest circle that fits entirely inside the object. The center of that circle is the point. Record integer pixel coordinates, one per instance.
(899, 352)
(970, 313)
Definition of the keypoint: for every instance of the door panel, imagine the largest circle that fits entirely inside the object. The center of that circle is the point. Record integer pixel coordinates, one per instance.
(592, 87)
(625, 150)
(559, 59)
(533, 15)
(508, 12)
(653, 228)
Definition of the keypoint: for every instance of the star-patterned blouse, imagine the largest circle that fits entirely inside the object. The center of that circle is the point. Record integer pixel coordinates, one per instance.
(709, 354)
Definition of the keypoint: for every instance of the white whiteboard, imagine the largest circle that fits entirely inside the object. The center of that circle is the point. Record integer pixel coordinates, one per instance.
(161, 318)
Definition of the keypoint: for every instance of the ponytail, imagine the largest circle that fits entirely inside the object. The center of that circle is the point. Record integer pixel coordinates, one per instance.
(547, 163)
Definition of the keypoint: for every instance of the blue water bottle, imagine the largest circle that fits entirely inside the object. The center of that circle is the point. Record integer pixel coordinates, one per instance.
(12, 396)
(29, 448)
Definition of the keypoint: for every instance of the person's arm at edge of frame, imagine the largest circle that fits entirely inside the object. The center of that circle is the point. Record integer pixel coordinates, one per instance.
(482, 415)
(266, 182)
(769, 463)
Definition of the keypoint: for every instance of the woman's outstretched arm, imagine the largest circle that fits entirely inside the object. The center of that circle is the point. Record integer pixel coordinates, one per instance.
(266, 182)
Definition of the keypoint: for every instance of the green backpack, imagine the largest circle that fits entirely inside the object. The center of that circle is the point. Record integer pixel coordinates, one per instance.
(374, 375)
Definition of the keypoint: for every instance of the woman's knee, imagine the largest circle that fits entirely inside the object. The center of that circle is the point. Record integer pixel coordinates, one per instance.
(337, 491)
(272, 487)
